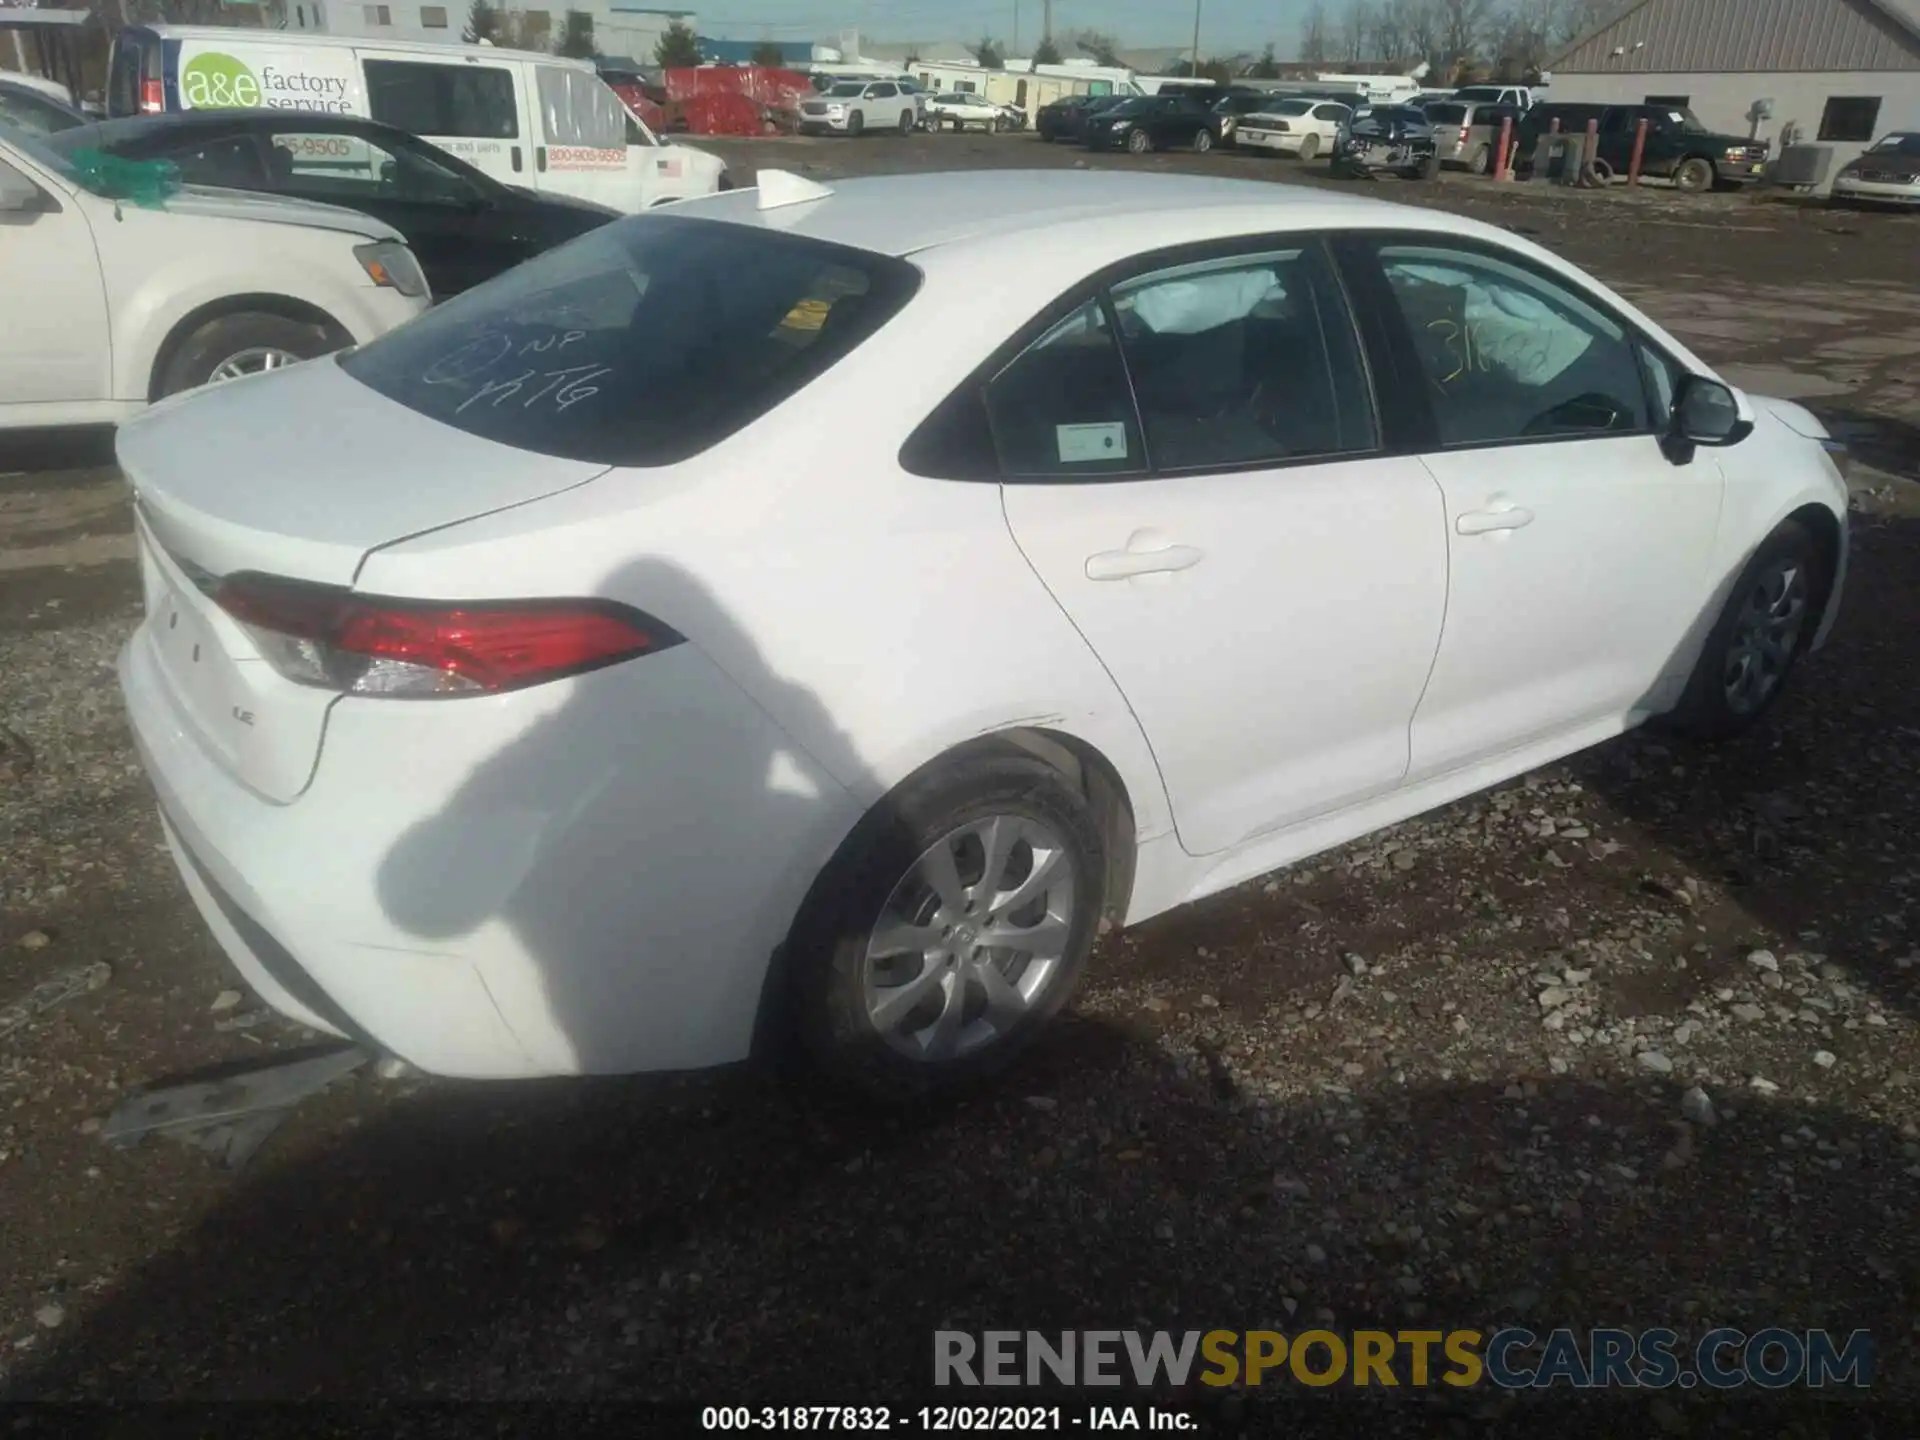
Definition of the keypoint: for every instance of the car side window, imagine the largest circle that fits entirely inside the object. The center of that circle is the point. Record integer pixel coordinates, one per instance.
(347, 167)
(1509, 354)
(234, 162)
(1330, 112)
(1246, 362)
(1061, 408)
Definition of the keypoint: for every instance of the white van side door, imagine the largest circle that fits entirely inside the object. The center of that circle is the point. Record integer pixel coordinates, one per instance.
(469, 107)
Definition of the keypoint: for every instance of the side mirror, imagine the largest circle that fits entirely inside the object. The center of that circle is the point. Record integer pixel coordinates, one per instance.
(1704, 413)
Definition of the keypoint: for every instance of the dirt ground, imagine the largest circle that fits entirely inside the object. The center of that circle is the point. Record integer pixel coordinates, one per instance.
(1440, 1077)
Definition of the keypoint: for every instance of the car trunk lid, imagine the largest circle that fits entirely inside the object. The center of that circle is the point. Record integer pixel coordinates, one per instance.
(300, 475)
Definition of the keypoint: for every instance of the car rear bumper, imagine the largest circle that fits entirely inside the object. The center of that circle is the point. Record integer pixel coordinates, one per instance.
(1288, 144)
(579, 878)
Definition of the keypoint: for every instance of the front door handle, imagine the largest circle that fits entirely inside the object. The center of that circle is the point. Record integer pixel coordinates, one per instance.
(1500, 517)
(1136, 559)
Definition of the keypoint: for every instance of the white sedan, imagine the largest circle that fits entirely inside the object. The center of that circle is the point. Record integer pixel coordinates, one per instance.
(962, 110)
(659, 651)
(1306, 128)
(110, 302)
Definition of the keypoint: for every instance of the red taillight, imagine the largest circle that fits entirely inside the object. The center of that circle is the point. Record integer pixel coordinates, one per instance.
(367, 645)
(1464, 132)
(153, 98)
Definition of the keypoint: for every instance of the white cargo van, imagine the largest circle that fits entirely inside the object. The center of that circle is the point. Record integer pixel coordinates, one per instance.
(527, 119)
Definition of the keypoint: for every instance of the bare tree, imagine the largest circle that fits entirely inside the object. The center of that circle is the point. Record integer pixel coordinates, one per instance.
(1356, 31)
(1424, 24)
(1462, 25)
(1316, 43)
(1389, 36)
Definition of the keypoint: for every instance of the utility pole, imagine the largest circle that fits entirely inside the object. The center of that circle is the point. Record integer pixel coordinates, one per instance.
(1196, 39)
(1046, 19)
(1014, 48)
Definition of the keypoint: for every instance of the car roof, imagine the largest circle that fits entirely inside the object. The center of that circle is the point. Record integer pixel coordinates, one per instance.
(906, 214)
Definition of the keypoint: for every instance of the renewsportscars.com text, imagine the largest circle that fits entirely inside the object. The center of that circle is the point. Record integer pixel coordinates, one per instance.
(1510, 1359)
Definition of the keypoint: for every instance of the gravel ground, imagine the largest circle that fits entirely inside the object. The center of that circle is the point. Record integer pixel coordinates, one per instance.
(1630, 1042)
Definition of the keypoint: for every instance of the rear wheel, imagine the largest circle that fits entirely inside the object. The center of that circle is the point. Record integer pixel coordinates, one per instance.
(1310, 147)
(952, 927)
(1767, 622)
(247, 343)
(1481, 161)
(1203, 142)
(1693, 176)
(906, 122)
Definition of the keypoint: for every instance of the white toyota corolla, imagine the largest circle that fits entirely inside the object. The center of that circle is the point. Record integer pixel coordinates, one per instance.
(662, 650)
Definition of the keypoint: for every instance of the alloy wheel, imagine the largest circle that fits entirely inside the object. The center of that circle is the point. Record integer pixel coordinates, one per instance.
(1765, 636)
(971, 939)
(254, 360)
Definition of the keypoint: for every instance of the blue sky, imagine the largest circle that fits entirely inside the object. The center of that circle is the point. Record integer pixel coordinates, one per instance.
(1224, 24)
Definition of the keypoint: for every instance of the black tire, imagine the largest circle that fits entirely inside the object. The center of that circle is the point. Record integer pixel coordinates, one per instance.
(1429, 168)
(906, 122)
(1202, 142)
(1139, 142)
(1707, 708)
(856, 124)
(827, 954)
(193, 362)
(1481, 161)
(1694, 175)
(726, 181)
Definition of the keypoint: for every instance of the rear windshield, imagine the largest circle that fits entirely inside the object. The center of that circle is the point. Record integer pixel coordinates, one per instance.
(1446, 114)
(640, 343)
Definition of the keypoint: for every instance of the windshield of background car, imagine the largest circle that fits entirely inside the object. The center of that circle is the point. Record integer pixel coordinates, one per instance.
(1138, 105)
(641, 343)
(849, 88)
(1899, 145)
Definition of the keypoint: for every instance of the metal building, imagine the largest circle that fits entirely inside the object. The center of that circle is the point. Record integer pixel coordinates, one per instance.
(1836, 73)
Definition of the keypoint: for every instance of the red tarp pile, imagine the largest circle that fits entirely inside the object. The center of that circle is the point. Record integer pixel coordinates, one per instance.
(720, 100)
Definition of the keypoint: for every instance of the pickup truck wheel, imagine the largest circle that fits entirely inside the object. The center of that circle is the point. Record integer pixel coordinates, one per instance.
(1480, 161)
(1694, 175)
(906, 122)
(247, 343)
(856, 123)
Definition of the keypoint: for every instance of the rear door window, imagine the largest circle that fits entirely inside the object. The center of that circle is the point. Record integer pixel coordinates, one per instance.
(640, 343)
(577, 108)
(1062, 408)
(470, 101)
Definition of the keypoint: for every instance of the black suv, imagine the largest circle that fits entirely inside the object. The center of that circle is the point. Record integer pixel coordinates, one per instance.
(1679, 148)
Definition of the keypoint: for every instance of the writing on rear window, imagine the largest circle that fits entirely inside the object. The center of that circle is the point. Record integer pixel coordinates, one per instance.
(641, 343)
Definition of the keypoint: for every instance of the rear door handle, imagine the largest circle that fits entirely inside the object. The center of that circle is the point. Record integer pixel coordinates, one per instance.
(1125, 564)
(1501, 517)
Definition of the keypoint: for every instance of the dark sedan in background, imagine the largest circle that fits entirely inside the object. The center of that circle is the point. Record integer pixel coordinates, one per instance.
(464, 226)
(1887, 174)
(1065, 118)
(1397, 139)
(1153, 122)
